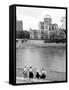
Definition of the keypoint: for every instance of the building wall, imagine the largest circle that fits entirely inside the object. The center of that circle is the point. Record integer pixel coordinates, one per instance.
(47, 23)
(41, 26)
(19, 26)
(35, 34)
(39, 34)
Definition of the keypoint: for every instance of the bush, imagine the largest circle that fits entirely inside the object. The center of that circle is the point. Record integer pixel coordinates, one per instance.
(55, 41)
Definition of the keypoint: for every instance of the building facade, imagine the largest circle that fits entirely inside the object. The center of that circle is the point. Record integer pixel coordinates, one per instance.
(46, 29)
(35, 34)
(47, 23)
(19, 26)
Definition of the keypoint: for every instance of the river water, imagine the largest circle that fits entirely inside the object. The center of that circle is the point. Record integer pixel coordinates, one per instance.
(51, 58)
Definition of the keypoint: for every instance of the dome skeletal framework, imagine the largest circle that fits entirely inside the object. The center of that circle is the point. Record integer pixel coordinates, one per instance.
(47, 16)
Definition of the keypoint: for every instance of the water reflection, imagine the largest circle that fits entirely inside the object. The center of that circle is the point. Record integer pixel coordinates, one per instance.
(53, 59)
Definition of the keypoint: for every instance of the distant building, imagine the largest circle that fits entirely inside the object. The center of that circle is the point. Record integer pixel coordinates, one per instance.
(19, 26)
(41, 26)
(35, 34)
(47, 29)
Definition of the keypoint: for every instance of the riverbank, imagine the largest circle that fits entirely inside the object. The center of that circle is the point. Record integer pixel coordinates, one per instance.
(39, 44)
(50, 77)
(27, 80)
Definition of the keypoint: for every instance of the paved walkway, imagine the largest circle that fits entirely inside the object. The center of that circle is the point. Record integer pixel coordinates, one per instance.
(27, 80)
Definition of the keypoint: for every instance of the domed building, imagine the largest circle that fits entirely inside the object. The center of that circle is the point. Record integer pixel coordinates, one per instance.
(47, 22)
(48, 19)
(46, 28)
(47, 16)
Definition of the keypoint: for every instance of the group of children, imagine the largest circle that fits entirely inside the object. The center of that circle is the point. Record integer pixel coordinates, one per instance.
(29, 73)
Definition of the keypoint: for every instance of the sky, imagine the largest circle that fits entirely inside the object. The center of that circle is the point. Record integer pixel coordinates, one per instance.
(32, 16)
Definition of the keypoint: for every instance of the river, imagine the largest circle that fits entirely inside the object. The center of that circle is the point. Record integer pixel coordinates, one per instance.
(51, 58)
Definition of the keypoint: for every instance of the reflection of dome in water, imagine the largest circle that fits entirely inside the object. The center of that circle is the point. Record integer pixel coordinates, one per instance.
(47, 16)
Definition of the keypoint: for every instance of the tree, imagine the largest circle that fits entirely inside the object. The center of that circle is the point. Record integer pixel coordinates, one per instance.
(62, 35)
(53, 35)
(45, 35)
(22, 34)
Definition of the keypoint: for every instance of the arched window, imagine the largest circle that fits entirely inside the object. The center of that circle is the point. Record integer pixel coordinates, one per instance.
(50, 28)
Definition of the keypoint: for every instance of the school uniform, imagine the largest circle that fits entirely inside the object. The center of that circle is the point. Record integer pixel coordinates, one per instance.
(43, 76)
(25, 72)
(30, 73)
(37, 73)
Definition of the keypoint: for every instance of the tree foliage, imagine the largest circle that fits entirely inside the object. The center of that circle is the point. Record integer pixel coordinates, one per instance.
(22, 34)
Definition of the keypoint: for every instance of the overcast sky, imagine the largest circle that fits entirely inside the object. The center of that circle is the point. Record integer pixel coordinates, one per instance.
(31, 16)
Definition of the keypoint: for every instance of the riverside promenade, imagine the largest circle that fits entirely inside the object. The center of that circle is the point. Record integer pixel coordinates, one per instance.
(39, 44)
